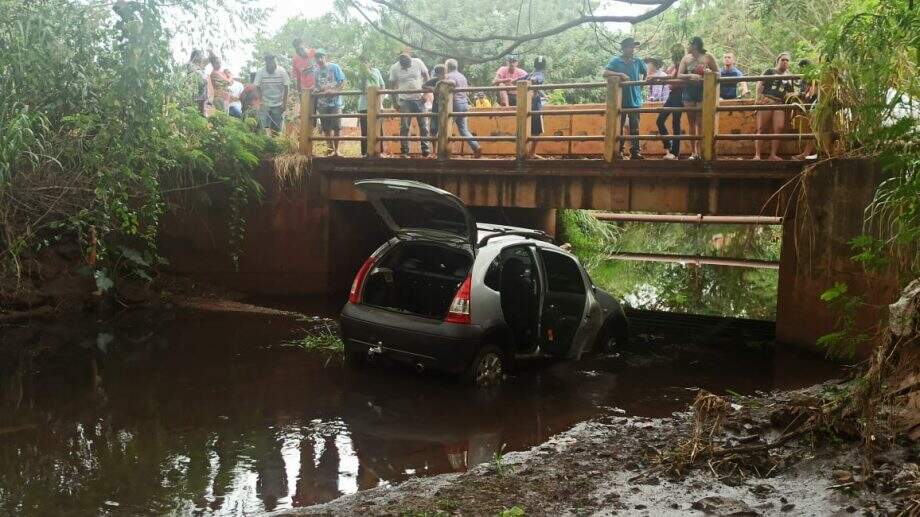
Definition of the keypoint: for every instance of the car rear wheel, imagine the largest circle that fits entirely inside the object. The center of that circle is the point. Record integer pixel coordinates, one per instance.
(487, 367)
(613, 338)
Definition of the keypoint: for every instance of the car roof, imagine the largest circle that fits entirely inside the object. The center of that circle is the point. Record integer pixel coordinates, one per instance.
(499, 235)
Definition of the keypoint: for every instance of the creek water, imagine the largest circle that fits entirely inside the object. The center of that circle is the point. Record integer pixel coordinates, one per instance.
(208, 414)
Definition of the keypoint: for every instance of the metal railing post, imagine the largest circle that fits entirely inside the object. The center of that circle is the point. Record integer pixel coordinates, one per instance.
(523, 128)
(446, 104)
(373, 107)
(306, 124)
(708, 122)
(612, 118)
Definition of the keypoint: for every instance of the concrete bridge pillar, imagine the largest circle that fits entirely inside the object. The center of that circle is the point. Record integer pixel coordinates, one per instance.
(828, 213)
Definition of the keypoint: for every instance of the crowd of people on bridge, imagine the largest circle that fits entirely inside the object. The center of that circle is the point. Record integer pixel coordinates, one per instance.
(676, 84)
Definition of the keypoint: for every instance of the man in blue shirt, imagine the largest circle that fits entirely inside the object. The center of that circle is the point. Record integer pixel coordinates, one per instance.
(329, 79)
(730, 90)
(629, 68)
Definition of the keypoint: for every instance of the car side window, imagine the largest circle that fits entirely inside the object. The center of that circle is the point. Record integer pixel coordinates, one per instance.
(562, 273)
(524, 258)
(493, 279)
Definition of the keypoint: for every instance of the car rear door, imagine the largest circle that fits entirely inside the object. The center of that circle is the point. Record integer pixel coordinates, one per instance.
(412, 209)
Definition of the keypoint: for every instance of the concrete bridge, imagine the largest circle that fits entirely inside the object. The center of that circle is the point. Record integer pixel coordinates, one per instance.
(309, 235)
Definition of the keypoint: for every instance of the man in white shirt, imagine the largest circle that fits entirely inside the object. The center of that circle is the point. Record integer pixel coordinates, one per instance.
(236, 90)
(410, 73)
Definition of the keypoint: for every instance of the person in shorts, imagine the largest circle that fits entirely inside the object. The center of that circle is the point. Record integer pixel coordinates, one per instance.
(272, 84)
(774, 91)
(692, 68)
(329, 80)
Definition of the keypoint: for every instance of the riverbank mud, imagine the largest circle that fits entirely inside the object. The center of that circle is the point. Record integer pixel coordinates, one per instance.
(612, 465)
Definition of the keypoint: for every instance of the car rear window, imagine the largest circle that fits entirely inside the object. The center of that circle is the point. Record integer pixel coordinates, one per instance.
(411, 213)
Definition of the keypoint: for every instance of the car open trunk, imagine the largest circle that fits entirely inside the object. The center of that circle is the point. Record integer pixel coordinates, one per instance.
(418, 278)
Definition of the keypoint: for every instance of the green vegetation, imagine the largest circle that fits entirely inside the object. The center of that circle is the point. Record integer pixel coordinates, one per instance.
(577, 55)
(713, 290)
(320, 337)
(99, 135)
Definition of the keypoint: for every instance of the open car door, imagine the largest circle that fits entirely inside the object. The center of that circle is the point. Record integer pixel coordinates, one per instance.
(567, 313)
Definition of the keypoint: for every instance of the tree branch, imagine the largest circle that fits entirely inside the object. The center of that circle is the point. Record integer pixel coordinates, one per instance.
(514, 40)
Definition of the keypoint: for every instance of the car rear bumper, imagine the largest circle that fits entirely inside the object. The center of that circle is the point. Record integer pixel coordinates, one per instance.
(412, 339)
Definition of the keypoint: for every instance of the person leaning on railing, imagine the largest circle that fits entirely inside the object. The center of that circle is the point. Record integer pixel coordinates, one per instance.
(773, 91)
(329, 79)
(409, 73)
(629, 68)
(692, 67)
(674, 100)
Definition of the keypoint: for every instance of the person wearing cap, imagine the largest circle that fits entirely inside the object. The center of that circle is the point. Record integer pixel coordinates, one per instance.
(506, 76)
(410, 73)
(629, 68)
(303, 66)
(272, 84)
(692, 68)
(329, 79)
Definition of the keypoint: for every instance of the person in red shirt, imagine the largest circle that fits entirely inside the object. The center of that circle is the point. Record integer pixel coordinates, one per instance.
(304, 65)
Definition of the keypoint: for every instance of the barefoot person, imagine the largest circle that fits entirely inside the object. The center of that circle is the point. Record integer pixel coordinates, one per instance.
(692, 68)
(773, 91)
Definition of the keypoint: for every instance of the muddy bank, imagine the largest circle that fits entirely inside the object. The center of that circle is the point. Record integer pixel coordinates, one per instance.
(607, 465)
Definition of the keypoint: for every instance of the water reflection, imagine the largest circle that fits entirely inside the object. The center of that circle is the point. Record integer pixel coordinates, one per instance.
(204, 415)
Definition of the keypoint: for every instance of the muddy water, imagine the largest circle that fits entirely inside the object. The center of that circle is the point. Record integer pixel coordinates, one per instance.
(208, 414)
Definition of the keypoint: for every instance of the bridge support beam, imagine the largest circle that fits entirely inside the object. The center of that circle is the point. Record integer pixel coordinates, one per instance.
(816, 254)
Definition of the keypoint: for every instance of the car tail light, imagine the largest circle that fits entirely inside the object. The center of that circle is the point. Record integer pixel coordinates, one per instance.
(459, 311)
(354, 296)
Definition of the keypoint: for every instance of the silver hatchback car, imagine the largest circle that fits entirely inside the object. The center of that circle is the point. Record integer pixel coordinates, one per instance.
(449, 294)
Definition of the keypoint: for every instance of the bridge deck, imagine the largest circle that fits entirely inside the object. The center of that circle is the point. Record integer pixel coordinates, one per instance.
(728, 187)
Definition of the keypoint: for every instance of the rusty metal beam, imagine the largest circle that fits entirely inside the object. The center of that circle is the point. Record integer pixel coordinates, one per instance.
(688, 219)
(694, 260)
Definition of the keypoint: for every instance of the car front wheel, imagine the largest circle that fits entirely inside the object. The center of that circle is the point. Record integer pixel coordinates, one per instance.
(487, 367)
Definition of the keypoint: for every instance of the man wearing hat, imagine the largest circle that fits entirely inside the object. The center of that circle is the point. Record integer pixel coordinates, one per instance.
(410, 73)
(506, 76)
(272, 83)
(629, 68)
(329, 79)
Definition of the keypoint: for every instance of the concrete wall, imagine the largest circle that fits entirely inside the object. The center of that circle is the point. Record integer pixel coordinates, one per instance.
(816, 254)
(742, 122)
(297, 242)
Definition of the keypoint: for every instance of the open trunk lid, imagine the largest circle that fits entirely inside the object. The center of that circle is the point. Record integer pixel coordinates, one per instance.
(411, 208)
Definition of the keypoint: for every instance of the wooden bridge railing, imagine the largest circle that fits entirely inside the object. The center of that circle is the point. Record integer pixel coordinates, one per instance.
(708, 109)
